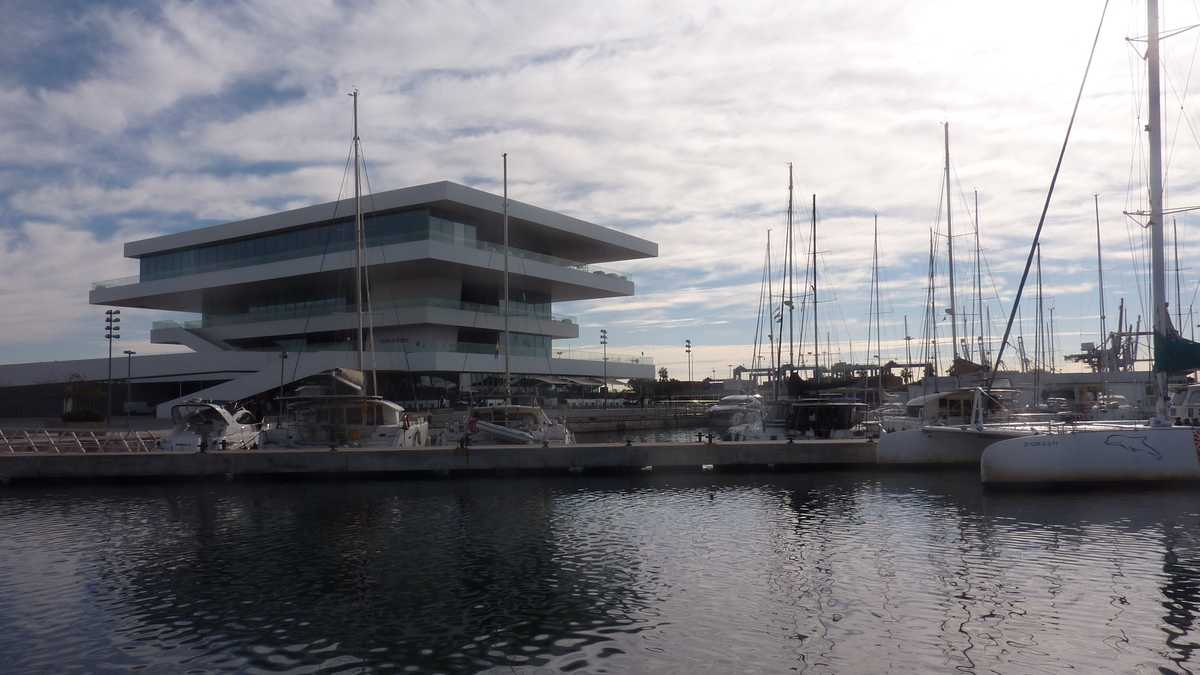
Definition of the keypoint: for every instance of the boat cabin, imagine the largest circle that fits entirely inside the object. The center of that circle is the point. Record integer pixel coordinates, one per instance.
(955, 407)
(345, 411)
(520, 417)
(819, 417)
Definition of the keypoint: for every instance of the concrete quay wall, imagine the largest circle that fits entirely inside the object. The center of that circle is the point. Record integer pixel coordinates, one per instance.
(503, 459)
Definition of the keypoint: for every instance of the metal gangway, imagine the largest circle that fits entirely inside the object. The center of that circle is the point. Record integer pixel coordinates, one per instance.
(75, 441)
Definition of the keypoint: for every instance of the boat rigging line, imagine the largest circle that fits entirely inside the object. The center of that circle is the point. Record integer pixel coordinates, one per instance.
(1049, 194)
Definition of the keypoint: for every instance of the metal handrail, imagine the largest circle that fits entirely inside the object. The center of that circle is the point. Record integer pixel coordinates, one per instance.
(379, 309)
(75, 441)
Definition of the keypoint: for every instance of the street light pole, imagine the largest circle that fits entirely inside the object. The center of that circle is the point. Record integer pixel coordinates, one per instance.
(128, 387)
(604, 346)
(112, 331)
(687, 347)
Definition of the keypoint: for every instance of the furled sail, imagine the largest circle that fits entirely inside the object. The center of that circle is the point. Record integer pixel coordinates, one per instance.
(1174, 353)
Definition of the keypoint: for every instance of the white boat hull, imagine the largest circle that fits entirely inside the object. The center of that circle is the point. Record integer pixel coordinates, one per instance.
(1113, 455)
(940, 445)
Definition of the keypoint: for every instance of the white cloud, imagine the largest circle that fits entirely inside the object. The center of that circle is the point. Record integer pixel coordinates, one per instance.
(673, 121)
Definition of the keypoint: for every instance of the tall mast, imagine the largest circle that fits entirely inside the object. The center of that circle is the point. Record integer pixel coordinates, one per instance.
(791, 253)
(507, 374)
(755, 356)
(1161, 321)
(1103, 327)
(1039, 345)
(933, 308)
(771, 323)
(358, 240)
(816, 333)
(1053, 354)
(878, 337)
(978, 282)
(785, 283)
(950, 249)
(1178, 297)
(987, 337)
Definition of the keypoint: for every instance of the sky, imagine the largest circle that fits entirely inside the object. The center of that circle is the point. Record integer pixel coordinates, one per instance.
(672, 121)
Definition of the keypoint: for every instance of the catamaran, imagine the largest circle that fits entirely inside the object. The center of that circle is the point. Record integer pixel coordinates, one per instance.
(1167, 447)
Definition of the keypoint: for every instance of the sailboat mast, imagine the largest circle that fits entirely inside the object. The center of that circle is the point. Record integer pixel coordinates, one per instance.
(878, 336)
(358, 239)
(1038, 340)
(987, 337)
(774, 376)
(978, 283)
(950, 249)
(816, 333)
(1053, 353)
(1178, 297)
(507, 373)
(1158, 272)
(933, 345)
(791, 303)
(785, 288)
(1103, 327)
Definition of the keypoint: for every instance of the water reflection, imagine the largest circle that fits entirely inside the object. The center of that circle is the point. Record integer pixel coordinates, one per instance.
(817, 572)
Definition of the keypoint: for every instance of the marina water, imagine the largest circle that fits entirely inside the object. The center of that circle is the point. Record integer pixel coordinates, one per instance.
(812, 572)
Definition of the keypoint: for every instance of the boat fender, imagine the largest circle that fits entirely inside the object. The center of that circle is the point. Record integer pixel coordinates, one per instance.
(404, 422)
(472, 427)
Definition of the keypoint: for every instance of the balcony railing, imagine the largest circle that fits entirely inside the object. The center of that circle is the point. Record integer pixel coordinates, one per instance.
(380, 310)
(498, 249)
(483, 349)
(121, 281)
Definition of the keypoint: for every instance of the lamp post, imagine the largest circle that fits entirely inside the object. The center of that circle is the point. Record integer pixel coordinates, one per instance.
(112, 331)
(604, 346)
(687, 347)
(128, 387)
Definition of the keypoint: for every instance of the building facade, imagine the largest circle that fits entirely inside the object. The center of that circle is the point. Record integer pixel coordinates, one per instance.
(270, 300)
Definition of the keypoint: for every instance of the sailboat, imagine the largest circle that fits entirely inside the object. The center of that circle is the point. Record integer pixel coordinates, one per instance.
(1167, 447)
(508, 423)
(804, 412)
(347, 412)
(955, 426)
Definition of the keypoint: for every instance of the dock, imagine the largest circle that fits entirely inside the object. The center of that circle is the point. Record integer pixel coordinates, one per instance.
(437, 461)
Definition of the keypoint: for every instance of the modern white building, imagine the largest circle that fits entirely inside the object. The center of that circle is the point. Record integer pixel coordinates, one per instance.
(270, 300)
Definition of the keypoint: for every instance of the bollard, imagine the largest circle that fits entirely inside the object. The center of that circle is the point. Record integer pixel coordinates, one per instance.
(628, 443)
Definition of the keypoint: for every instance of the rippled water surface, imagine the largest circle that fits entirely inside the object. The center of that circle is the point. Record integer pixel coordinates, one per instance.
(820, 572)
